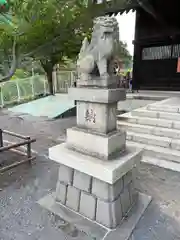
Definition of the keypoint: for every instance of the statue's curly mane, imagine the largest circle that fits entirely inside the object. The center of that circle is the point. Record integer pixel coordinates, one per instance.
(100, 24)
(105, 21)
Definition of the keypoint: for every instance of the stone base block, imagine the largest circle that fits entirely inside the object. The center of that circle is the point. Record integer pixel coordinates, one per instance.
(97, 95)
(106, 171)
(65, 174)
(105, 191)
(61, 192)
(109, 214)
(88, 205)
(104, 147)
(82, 181)
(73, 198)
(125, 200)
(94, 196)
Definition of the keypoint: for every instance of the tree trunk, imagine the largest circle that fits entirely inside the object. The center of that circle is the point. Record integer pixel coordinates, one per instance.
(48, 68)
(50, 82)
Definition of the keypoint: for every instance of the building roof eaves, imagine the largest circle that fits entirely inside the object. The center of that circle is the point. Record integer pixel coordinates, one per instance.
(121, 6)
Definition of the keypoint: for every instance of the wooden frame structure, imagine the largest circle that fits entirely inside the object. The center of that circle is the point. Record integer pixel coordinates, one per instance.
(26, 141)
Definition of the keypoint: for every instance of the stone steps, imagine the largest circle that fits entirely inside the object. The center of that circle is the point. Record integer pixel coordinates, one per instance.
(157, 131)
(143, 112)
(170, 105)
(148, 121)
(163, 108)
(160, 156)
(154, 140)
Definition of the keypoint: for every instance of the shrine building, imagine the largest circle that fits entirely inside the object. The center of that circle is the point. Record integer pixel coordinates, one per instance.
(156, 41)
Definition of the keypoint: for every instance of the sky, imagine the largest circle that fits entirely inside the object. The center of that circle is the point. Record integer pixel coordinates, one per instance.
(127, 29)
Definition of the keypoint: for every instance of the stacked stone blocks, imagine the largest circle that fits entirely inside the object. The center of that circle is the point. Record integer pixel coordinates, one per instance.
(94, 198)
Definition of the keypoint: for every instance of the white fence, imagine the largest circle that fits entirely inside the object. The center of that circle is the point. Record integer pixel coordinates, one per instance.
(17, 91)
(63, 80)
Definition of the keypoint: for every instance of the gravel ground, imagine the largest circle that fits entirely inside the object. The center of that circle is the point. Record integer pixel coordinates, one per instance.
(46, 132)
(21, 218)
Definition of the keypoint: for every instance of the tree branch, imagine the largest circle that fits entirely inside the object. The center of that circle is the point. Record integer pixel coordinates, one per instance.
(41, 47)
(14, 63)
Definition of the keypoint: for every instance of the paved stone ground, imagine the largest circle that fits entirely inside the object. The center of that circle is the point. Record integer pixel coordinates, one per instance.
(162, 218)
(20, 189)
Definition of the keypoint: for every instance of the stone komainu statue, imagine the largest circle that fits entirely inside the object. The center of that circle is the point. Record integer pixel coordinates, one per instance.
(97, 57)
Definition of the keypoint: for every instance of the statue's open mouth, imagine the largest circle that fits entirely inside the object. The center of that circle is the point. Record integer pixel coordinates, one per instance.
(107, 35)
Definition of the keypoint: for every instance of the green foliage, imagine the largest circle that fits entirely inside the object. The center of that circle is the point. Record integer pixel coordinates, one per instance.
(20, 73)
(46, 30)
(52, 29)
(123, 53)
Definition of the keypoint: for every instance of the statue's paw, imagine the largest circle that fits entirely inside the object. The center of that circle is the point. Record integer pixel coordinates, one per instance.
(86, 64)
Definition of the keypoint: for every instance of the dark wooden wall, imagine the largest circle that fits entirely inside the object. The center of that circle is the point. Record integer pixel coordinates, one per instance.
(157, 48)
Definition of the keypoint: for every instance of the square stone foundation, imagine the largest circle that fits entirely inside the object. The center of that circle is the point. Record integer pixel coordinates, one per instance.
(103, 192)
(102, 202)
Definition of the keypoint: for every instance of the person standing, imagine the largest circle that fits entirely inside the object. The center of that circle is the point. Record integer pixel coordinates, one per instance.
(129, 82)
(130, 85)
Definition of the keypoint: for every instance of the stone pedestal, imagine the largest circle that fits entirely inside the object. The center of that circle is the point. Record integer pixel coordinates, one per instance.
(102, 191)
(96, 183)
(97, 171)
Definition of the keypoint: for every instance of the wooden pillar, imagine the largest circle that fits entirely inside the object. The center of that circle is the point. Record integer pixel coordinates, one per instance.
(137, 55)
